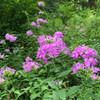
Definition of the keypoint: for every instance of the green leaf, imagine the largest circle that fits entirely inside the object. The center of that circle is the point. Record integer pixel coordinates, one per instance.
(17, 92)
(59, 95)
(44, 87)
(26, 89)
(53, 85)
(65, 73)
(46, 80)
(73, 90)
(93, 96)
(34, 95)
(48, 96)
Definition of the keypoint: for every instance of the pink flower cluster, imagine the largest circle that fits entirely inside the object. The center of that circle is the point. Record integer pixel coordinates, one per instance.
(29, 64)
(78, 66)
(33, 23)
(1, 56)
(57, 82)
(7, 50)
(90, 61)
(88, 56)
(51, 47)
(41, 12)
(40, 20)
(29, 33)
(41, 3)
(84, 52)
(2, 71)
(10, 37)
(2, 41)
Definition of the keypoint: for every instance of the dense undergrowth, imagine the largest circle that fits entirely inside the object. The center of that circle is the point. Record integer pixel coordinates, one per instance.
(49, 50)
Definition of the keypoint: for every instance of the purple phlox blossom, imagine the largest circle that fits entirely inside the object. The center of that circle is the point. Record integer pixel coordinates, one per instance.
(1, 80)
(57, 82)
(7, 36)
(66, 27)
(34, 35)
(84, 52)
(1, 56)
(10, 37)
(41, 3)
(28, 59)
(90, 62)
(29, 64)
(29, 33)
(41, 12)
(77, 27)
(2, 71)
(33, 23)
(14, 51)
(2, 41)
(7, 50)
(94, 76)
(39, 26)
(81, 29)
(77, 66)
(95, 69)
(6, 55)
(58, 34)
(18, 84)
(51, 47)
(83, 33)
(41, 20)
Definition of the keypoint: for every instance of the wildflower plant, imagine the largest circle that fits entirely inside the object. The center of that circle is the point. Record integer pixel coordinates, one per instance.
(49, 37)
(51, 47)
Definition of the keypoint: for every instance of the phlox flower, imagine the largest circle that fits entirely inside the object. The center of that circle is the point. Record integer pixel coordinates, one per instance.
(10, 37)
(84, 52)
(40, 20)
(2, 71)
(7, 36)
(29, 64)
(7, 50)
(94, 76)
(39, 26)
(51, 47)
(77, 66)
(81, 29)
(41, 12)
(77, 27)
(34, 35)
(41, 3)
(83, 33)
(1, 56)
(29, 33)
(66, 27)
(57, 82)
(33, 23)
(1, 80)
(2, 41)
(14, 51)
(58, 34)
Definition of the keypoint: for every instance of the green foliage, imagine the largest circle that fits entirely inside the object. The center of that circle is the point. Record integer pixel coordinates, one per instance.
(55, 80)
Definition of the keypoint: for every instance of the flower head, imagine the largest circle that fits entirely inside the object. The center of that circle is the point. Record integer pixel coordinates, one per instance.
(41, 3)
(33, 23)
(29, 33)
